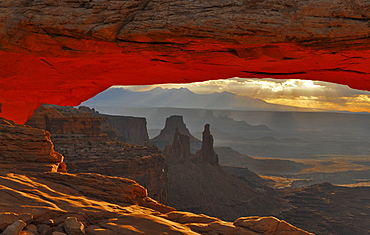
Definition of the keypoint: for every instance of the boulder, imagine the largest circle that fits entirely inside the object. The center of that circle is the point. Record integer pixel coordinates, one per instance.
(269, 226)
(15, 228)
(44, 229)
(73, 227)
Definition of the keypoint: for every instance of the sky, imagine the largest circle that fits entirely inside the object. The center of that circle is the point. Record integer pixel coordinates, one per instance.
(293, 92)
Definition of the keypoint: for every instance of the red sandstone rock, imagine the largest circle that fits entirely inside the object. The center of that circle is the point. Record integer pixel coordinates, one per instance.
(14, 228)
(269, 225)
(110, 204)
(27, 149)
(67, 121)
(64, 53)
(7, 219)
(78, 134)
(73, 227)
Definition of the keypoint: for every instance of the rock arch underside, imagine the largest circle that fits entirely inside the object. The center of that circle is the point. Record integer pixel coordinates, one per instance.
(64, 52)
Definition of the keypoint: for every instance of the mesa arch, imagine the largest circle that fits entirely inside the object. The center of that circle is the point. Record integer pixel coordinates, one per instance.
(66, 52)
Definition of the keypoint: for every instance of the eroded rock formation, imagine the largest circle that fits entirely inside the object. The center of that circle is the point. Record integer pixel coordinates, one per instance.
(87, 203)
(207, 153)
(63, 122)
(173, 125)
(179, 151)
(79, 135)
(133, 129)
(64, 53)
(196, 182)
(27, 149)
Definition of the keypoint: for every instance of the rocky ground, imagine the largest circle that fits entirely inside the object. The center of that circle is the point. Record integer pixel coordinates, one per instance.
(196, 183)
(297, 173)
(328, 209)
(90, 143)
(87, 203)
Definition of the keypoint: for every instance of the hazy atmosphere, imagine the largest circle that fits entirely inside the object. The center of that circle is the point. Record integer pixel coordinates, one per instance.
(200, 117)
(315, 95)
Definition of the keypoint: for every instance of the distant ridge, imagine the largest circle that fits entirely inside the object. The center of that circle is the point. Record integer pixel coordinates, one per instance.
(181, 98)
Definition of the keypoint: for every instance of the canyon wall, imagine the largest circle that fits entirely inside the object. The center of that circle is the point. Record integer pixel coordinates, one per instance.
(39, 200)
(64, 53)
(133, 129)
(79, 135)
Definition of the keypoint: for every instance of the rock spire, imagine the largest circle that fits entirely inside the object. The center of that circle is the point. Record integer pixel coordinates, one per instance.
(207, 153)
(174, 124)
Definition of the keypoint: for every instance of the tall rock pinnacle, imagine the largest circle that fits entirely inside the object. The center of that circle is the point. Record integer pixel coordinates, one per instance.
(207, 153)
(179, 150)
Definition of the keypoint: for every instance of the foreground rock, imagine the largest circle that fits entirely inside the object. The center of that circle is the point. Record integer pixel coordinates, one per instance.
(88, 142)
(27, 149)
(14, 228)
(97, 204)
(62, 203)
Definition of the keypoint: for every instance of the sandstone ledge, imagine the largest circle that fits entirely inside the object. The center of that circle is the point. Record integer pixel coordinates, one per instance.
(111, 204)
(26, 148)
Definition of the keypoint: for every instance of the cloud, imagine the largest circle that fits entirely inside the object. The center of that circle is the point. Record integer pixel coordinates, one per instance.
(293, 92)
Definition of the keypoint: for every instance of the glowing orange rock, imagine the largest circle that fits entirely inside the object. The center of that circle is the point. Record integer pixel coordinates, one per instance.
(64, 53)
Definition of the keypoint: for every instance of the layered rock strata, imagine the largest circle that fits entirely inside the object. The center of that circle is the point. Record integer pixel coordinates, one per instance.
(27, 149)
(133, 129)
(97, 204)
(79, 135)
(86, 203)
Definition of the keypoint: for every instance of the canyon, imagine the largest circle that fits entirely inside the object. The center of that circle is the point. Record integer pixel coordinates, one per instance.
(195, 182)
(51, 202)
(65, 53)
(89, 144)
